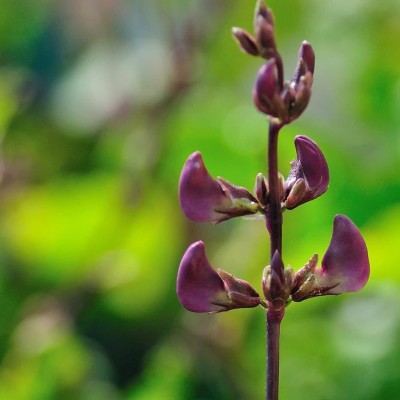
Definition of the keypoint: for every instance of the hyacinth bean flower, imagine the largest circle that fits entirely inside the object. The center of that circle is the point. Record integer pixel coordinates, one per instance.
(201, 288)
(309, 175)
(288, 101)
(345, 265)
(204, 199)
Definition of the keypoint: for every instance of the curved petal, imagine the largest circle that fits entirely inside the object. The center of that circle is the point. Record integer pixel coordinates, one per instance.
(346, 262)
(310, 157)
(310, 166)
(204, 199)
(198, 284)
(202, 289)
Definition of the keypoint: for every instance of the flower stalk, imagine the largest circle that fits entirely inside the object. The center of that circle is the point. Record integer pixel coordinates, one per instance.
(345, 265)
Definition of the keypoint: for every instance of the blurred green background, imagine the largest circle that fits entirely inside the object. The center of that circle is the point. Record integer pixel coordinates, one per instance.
(101, 102)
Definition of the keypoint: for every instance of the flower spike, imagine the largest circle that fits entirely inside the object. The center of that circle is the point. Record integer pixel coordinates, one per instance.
(200, 288)
(345, 266)
(204, 199)
(309, 176)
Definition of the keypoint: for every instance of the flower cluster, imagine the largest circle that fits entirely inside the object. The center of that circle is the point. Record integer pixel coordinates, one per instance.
(345, 265)
(283, 101)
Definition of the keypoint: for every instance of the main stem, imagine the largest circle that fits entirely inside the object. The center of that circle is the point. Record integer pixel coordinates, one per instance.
(274, 225)
(274, 213)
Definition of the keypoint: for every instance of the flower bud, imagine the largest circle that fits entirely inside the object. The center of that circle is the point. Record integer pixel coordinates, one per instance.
(274, 283)
(246, 41)
(266, 92)
(345, 266)
(204, 199)
(301, 98)
(298, 90)
(261, 190)
(264, 30)
(306, 62)
(200, 288)
(263, 11)
(311, 167)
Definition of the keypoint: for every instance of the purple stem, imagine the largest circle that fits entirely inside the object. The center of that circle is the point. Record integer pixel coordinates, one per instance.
(274, 225)
(274, 214)
(273, 331)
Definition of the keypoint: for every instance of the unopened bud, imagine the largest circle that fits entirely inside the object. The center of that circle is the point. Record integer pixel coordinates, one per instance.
(265, 38)
(261, 190)
(274, 283)
(306, 62)
(246, 41)
(263, 11)
(266, 92)
(307, 54)
(302, 96)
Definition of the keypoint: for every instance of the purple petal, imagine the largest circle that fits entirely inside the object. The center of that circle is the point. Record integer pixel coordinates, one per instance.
(311, 166)
(310, 157)
(198, 283)
(199, 192)
(202, 289)
(204, 199)
(345, 263)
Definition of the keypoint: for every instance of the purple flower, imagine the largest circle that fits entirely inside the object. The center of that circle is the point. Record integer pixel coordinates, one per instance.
(204, 199)
(345, 266)
(200, 288)
(288, 102)
(309, 175)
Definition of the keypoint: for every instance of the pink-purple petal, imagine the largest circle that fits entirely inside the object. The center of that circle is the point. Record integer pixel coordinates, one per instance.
(204, 199)
(198, 284)
(346, 262)
(310, 158)
(199, 193)
(200, 288)
(311, 166)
